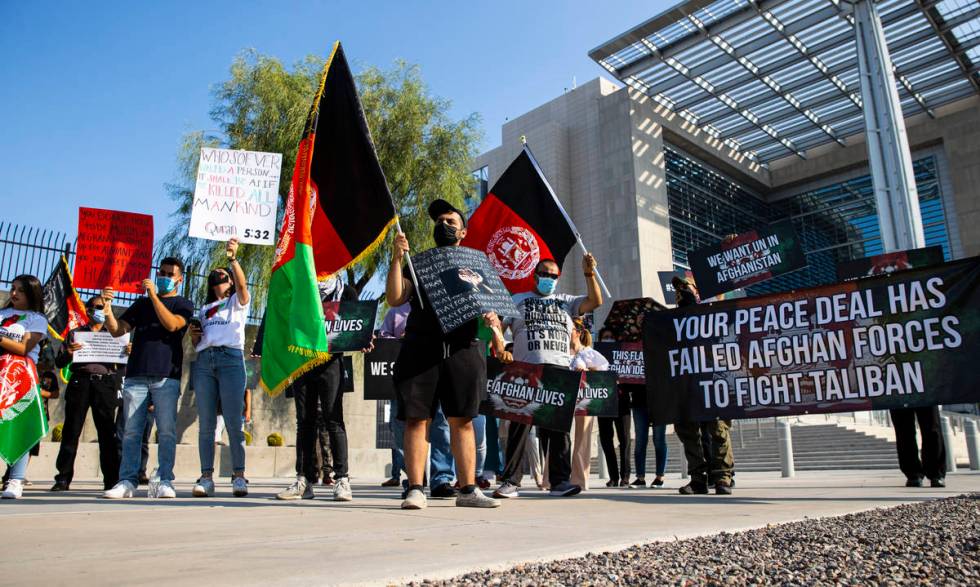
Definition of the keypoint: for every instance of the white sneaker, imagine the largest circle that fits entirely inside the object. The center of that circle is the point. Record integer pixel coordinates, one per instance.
(203, 488)
(300, 489)
(476, 500)
(166, 490)
(341, 490)
(122, 490)
(239, 487)
(14, 490)
(415, 500)
(507, 490)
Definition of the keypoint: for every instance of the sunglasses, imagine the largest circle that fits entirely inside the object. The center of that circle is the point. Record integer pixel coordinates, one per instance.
(98, 307)
(551, 275)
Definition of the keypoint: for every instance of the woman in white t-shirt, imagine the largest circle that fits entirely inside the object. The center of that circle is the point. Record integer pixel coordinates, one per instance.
(584, 358)
(22, 328)
(218, 333)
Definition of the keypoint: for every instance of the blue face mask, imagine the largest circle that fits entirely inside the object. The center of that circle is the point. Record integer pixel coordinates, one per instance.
(98, 316)
(546, 285)
(165, 284)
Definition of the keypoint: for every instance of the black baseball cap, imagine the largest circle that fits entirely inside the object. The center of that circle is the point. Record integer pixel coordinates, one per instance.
(439, 207)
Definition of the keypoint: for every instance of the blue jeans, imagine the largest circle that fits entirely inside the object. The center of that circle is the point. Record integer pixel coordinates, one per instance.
(219, 377)
(480, 431)
(641, 427)
(495, 452)
(18, 470)
(137, 392)
(441, 462)
(397, 428)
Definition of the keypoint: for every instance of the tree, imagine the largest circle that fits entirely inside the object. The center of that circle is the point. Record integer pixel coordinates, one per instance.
(424, 153)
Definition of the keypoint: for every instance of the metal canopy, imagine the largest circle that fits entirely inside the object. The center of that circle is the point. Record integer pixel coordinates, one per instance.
(774, 78)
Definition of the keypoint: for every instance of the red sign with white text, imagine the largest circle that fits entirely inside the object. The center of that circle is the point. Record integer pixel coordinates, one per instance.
(114, 249)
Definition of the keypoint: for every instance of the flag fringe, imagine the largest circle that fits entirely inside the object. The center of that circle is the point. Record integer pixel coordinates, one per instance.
(363, 254)
(315, 110)
(319, 358)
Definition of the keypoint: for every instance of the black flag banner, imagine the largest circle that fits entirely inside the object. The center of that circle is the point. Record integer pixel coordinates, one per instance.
(908, 339)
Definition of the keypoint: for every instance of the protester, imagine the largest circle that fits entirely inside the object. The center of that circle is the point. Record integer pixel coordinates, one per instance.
(393, 326)
(932, 465)
(703, 466)
(22, 328)
(584, 358)
(436, 370)
(545, 316)
(324, 385)
(158, 323)
(92, 386)
(641, 433)
(218, 335)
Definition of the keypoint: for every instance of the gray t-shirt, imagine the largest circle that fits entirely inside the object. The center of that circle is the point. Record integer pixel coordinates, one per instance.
(542, 334)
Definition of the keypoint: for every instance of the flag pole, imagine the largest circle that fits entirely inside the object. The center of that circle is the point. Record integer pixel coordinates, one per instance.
(568, 219)
(411, 268)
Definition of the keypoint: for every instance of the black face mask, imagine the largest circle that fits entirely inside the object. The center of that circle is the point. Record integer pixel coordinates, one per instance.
(444, 234)
(217, 278)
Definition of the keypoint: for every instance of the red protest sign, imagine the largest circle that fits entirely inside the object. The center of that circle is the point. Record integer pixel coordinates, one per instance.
(114, 249)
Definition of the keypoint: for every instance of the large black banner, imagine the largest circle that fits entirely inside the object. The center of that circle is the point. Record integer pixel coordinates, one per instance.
(751, 257)
(543, 395)
(906, 339)
(461, 284)
(379, 366)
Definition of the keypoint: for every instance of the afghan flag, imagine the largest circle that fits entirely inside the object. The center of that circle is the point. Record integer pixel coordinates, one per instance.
(338, 210)
(22, 419)
(520, 223)
(62, 306)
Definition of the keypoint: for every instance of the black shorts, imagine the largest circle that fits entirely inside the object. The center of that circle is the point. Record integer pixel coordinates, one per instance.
(429, 374)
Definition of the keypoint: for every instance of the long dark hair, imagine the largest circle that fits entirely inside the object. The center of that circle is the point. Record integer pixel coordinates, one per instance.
(33, 291)
(211, 297)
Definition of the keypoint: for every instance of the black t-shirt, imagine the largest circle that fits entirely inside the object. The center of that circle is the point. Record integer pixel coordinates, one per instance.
(423, 324)
(156, 351)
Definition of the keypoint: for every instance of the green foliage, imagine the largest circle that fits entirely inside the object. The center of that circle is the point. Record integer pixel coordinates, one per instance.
(275, 439)
(262, 106)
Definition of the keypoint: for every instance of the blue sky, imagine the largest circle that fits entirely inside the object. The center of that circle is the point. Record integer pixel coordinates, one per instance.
(95, 100)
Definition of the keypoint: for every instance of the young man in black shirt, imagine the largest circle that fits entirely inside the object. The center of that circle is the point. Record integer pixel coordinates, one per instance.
(437, 369)
(92, 385)
(158, 323)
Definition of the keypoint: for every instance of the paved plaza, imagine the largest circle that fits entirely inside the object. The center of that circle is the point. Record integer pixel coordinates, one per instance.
(73, 538)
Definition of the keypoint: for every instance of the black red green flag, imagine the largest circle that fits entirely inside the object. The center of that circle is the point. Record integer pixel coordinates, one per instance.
(353, 206)
(62, 306)
(519, 223)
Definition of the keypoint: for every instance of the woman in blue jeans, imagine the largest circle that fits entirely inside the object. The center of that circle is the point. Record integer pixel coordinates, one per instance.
(641, 427)
(219, 372)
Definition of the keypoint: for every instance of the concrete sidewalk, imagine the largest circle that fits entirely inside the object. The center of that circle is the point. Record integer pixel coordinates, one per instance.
(74, 538)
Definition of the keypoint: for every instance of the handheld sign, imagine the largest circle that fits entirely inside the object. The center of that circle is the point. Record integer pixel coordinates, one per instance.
(908, 339)
(114, 249)
(749, 258)
(100, 347)
(379, 366)
(349, 325)
(598, 395)
(889, 263)
(542, 395)
(461, 285)
(625, 359)
(625, 318)
(236, 195)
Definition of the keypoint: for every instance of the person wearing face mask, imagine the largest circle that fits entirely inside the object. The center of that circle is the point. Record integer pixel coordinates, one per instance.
(218, 335)
(92, 386)
(714, 463)
(436, 370)
(158, 323)
(542, 335)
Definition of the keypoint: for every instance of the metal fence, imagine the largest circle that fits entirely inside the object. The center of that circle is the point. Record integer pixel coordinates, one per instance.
(37, 251)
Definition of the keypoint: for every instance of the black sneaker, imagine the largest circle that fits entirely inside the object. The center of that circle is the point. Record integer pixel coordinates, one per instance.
(658, 482)
(639, 482)
(693, 488)
(937, 482)
(443, 491)
(612, 483)
(722, 488)
(59, 486)
(914, 482)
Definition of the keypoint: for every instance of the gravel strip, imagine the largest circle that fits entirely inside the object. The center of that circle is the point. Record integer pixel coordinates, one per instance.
(929, 543)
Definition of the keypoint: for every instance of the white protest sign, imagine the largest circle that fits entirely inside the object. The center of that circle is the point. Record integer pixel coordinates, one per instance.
(237, 194)
(100, 347)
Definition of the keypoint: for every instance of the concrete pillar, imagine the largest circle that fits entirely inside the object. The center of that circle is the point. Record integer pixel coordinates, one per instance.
(972, 444)
(889, 157)
(785, 432)
(948, 441)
